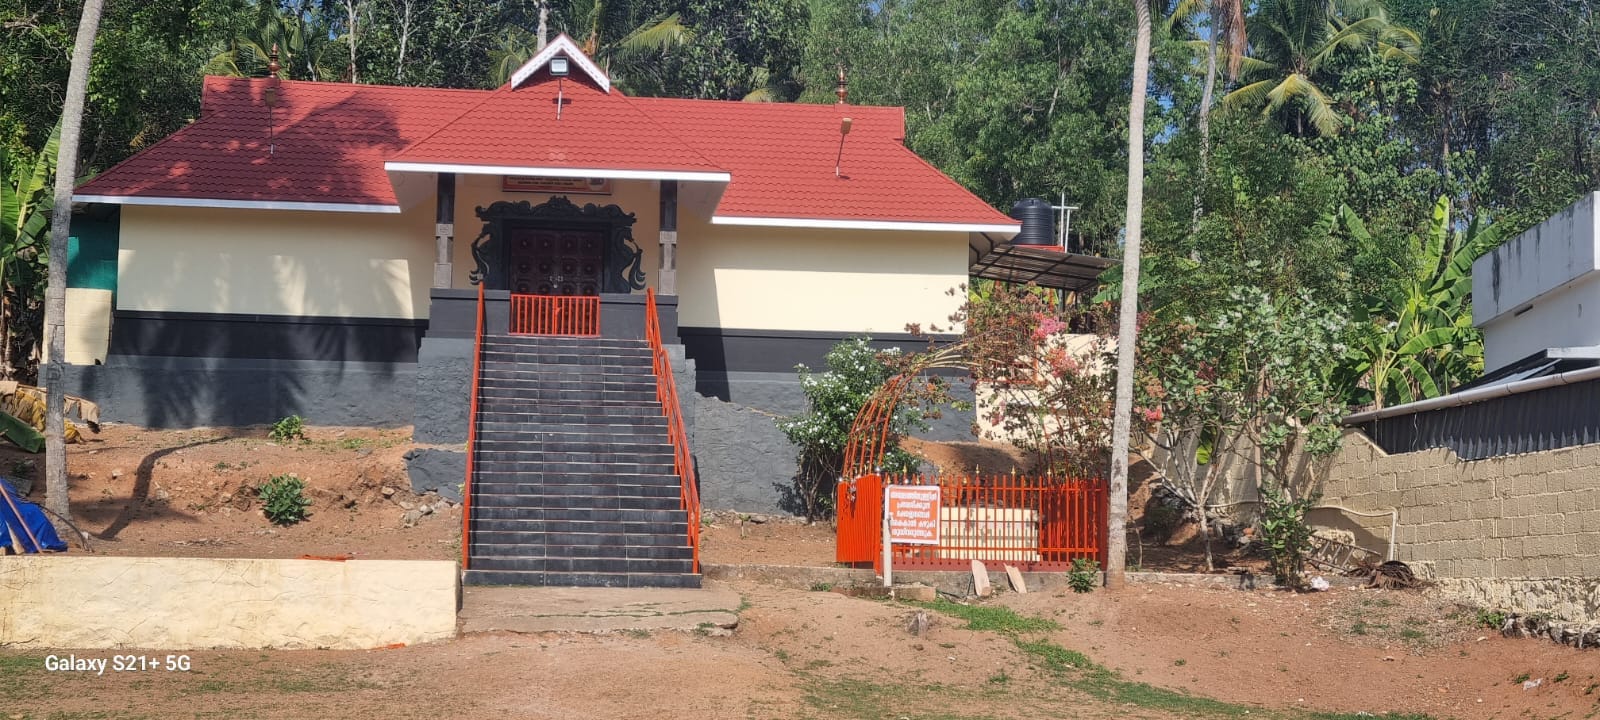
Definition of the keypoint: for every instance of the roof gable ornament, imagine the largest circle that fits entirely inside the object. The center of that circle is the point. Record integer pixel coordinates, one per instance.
(562, 46)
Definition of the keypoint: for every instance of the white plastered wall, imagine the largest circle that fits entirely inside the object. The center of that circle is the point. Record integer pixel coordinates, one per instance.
(640, 197)
(276, 262)
(802, 279)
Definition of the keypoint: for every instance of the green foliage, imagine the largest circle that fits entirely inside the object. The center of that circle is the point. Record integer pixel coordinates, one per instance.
(1416, 340)
(1491, 619)
(833, 398)
(292, 427)
(1285, 534)
(1083, 575)
(283, 499)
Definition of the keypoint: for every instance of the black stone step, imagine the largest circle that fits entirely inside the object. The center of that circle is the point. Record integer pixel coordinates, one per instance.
(631, 552)
(571, 381)
(585, 565)
(575, 503)
(536, 389)
(557, 429)
(487, 496)
(520, 524)
(513, 409)
(569, 485)
(560, 463)
(523, 541)
(565, 340)
(523, 438)
(678, 528)
(559, 579)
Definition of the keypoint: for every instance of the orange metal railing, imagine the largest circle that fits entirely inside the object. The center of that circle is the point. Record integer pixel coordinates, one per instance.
(570, 315)
(667, 393)
(472, 437)
(1036, 524)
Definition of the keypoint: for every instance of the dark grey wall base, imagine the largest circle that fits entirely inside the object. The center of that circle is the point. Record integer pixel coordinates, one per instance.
(743, 461)
(278, 337)
(453, 314)
(749, 350)
(779, 393)
(440, 471)
(182, 392)
(442, 391)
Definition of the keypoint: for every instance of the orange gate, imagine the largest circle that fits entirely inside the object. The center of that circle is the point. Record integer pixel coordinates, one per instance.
(570, 315)
(1036, 524)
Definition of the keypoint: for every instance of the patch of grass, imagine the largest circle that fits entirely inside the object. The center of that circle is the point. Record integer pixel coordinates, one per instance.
(1180, 662)
(821, 586)
(1560, 678)
(852, 699)
(993, 617)
(1521, 678)
(1412, 634)
(1492, 619)
(20, 678)
(1076, 670)
(781, 654)
(640, 633)
(999, 678)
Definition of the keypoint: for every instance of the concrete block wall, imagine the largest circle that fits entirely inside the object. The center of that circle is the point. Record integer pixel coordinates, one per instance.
(1535, 515)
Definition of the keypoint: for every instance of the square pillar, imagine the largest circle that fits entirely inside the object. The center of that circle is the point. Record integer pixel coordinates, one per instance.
(667, 275)
(444, 230)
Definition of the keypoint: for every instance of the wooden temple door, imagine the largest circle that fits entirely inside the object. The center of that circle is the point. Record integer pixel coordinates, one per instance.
(554, 262)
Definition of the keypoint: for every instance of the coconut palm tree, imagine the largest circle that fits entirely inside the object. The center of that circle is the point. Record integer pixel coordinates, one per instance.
(1296, 39)
(305, 43)
(592, 23)
(1127, 324)
(55, 304)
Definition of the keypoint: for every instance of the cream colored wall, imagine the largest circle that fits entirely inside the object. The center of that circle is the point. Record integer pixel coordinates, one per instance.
(193, 603)
(276, 262)
(878, 281)
(640, 197)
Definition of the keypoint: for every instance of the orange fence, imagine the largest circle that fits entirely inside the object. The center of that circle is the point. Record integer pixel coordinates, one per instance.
(571, 315)
(1035, 524)
(472, 437)
(667, 393)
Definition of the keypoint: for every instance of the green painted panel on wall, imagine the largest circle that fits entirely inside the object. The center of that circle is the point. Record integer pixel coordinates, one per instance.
(92, 253)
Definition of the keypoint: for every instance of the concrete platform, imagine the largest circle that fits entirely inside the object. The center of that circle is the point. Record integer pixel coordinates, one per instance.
(713, 608)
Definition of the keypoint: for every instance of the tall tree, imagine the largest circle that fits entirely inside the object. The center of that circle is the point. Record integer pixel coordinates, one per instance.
(55, 305)
(1128, 319)
(1298, 40)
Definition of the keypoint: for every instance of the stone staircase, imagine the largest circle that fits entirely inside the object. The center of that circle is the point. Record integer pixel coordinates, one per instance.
(573, 482)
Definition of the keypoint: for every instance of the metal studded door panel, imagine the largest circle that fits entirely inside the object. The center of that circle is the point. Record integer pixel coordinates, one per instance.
(555, 262)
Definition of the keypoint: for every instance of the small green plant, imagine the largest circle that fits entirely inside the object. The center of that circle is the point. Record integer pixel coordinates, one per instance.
(1083, 575)
(289, 428)
(353, 443)
(1560, 678)
(1180, 662)
(1285, 534)
(989, 617)
(999, 678)
(1521, 678)
(284, 500)
(821, 586)
(1492, 619)
(1412, 634)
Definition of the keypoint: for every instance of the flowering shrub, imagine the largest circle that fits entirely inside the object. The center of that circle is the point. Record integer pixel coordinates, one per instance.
(833, 398)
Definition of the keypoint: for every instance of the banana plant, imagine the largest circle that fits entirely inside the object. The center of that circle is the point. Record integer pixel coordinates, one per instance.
(25, 205)
(1418, 340)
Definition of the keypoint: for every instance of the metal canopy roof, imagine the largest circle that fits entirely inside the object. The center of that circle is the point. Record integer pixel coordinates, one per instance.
(1045, 266)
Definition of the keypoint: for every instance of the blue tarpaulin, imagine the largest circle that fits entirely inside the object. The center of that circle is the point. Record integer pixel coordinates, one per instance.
(23, 525)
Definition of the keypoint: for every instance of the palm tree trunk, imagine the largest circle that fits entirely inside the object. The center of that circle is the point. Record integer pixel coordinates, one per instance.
(55, 305)
(544, 23)
(1206, 99)
(1127, 325)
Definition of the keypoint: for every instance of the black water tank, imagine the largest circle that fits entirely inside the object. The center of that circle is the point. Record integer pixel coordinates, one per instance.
(1038, 222)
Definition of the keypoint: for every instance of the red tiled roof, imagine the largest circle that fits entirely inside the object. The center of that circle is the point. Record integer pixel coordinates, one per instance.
(328, 143)
(320, 143)
(782, 159)
(518, 128)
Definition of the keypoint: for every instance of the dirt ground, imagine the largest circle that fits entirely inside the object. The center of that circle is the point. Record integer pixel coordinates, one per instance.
(1176, 651)
(1146, 651)
(190, 493)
